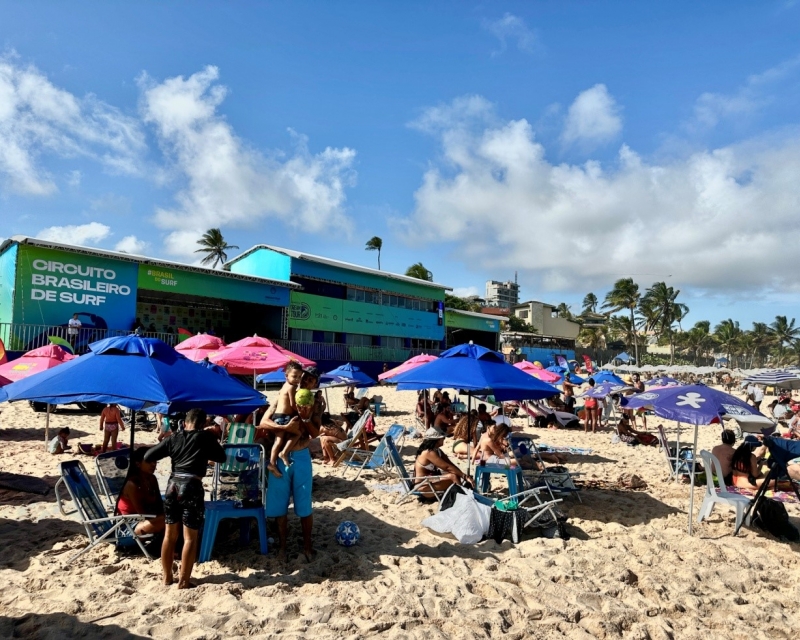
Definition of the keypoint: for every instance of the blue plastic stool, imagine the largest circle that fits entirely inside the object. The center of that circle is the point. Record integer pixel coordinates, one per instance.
(513, 476)
(216, 512)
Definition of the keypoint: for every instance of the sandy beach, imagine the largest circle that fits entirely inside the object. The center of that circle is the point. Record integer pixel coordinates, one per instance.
(629, 569)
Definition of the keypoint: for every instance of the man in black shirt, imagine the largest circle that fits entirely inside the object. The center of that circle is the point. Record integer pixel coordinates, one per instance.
(190, 450)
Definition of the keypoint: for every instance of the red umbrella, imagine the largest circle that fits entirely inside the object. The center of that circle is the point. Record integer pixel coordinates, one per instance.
(201, 346)
(40, 359)
(543, 374)
(407, 366)
(256, 355)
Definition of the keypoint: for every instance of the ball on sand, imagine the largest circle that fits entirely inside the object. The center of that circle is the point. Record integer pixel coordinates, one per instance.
(348, 534)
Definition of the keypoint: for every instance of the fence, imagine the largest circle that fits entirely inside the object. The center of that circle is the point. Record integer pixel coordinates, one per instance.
(24, 337)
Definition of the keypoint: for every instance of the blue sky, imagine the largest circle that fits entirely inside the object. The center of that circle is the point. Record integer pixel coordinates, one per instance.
(573, 142)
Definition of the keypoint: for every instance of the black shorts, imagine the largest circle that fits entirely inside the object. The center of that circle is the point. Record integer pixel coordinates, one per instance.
(184, 502)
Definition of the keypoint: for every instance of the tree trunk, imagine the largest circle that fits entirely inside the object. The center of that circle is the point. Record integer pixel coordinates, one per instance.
(635, 341)
(671, 350)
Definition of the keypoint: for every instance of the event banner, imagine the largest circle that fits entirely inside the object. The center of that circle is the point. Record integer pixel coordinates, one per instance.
(52, 285)
(346, 316)
(455, 320)
(209, 285)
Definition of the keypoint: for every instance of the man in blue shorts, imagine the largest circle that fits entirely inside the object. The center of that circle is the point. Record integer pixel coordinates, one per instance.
(295, 480)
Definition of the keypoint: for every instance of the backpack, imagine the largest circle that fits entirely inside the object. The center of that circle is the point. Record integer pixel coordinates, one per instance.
(771, 516)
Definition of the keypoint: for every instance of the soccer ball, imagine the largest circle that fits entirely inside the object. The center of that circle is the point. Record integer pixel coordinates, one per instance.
(348, 534)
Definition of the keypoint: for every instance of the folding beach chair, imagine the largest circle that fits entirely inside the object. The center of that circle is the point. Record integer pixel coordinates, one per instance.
(556, 479)
(98, 524)
(355, 439)
(112, 470)
(375, 460)
(238, 490)
(239, 433)
(679, 462)
(410, 486)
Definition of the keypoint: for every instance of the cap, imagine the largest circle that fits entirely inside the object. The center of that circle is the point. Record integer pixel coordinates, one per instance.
(311, 370)
(219, 420)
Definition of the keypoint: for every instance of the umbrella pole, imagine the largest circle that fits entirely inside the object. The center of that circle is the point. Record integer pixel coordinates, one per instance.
(691, 483)
(677, 451)
(469, 433)
(132, 428)
(47, 428)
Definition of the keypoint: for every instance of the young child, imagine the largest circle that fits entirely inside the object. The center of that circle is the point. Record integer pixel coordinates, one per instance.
(111, 424)
(285, 410)
(59, 443)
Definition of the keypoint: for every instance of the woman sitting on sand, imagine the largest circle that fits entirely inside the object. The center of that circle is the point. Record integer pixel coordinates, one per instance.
(141, 495)
(432, 461)
(466, 429)
(493, 446)
(747, 459)
(629, 435)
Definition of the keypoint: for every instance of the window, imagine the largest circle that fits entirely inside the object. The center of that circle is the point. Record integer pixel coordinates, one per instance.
(523, 313)
(391, 342)
(351, 294)
(302, 335)
(358, 340)
(329, 337)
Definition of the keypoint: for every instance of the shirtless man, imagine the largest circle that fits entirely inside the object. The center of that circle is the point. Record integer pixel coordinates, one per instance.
(285, 409)
(294, 482)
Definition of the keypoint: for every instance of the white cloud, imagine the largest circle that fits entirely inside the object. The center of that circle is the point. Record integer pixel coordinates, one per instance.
(755, 94)
(466, 292)
(228, 183)
(81, 234)
(37, 118)
(592, 119)
(131, 244)
(714, 219)
(512, 29)
(74, 178)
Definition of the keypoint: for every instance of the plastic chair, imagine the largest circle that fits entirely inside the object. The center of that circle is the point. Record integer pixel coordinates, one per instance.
(244, 486)
(374, 460)
(719, 495)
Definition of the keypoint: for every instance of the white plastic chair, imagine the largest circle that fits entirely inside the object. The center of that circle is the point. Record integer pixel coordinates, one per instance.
(720, 495)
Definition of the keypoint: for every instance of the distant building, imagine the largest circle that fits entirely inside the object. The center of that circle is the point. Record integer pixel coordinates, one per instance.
(545, 320)
(502, 294)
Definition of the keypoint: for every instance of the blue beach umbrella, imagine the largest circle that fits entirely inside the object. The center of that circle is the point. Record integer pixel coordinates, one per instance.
(352, 375)
(606, 389)
(694, 404)
(476, 370)
(138, 373)
(606, 376)
(662, 381)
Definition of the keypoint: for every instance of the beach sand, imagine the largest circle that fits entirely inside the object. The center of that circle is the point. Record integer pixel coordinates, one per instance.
(629, 570)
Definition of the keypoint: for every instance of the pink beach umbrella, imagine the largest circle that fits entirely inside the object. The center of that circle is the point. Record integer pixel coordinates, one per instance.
(4, 381)
(543, 374)
(256, 355)
(40, 359)
(412, 363)
(201, 346)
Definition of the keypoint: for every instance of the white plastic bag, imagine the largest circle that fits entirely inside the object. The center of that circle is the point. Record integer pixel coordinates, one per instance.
(467, 519)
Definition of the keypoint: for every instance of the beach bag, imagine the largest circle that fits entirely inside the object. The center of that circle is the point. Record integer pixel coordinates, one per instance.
(771, 516)
(464, 517)
(506, 524)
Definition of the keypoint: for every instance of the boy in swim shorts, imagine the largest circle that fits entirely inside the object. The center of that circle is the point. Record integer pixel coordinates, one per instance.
(285, 410)
(190, 451)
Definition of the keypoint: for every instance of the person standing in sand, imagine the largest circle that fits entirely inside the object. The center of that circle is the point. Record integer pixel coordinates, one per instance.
(294, 482)
(190, 451)
(285, 409)
(110, 425)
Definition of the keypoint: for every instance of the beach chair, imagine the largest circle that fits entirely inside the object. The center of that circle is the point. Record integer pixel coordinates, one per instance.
(98, 524)
(375, 460)
(679, 462)
(719, 495)
(238, 491)
(538, 511)
(377, 405)
(241, 433)
(112, 471)
(355, 438)
(410, 486)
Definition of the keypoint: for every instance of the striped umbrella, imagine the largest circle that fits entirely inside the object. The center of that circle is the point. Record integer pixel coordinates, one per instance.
(775, 378)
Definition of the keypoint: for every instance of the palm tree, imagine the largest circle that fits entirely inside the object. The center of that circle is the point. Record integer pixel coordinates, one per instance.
(662, 312)
(419, 271)
(215, 247)
(375, 244)
(784, 332)
(624, 295)
(590, 303)
(727, 333)
(621, 328)
(593, 337)
(763, 339)
(563, 311)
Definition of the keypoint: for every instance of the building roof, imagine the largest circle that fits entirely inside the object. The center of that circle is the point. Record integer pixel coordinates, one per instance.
(530, 302)
(473, 314)
(299, 255)
(130, 257)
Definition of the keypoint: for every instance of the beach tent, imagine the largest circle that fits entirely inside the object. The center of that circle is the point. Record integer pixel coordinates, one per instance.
(140, 374)
(409, 364)
(696, 405)
(201, 346)
(34, 361)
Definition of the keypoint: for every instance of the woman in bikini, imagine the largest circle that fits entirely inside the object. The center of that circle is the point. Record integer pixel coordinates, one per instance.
(466, 430)
(432, 461)
(111, 424)
(493, 447)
